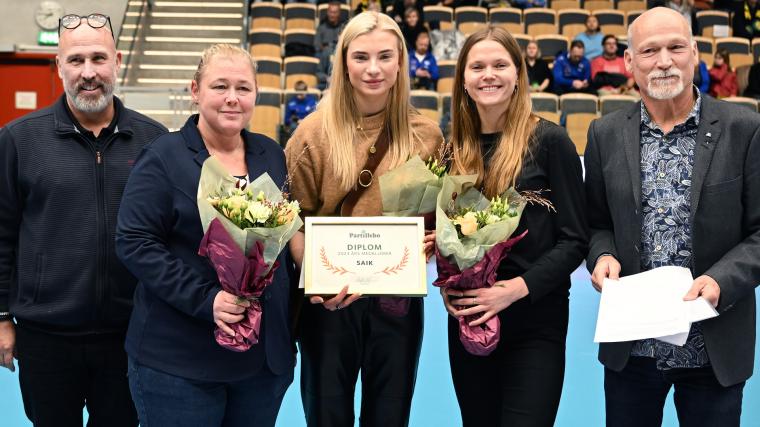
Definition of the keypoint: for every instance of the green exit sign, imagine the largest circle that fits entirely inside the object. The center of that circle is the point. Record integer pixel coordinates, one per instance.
(47, 38)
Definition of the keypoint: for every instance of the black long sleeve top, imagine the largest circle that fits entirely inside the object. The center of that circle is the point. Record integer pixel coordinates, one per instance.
(557, 242)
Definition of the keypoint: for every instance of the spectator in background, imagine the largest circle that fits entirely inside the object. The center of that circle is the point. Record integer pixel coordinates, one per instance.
(608, 73)
(411, 27)
(324, 69)
(684, 7)
(591, 38)
(572, 71)
(527, 4)
(299, 106)
(747, 19)
(329, 29)
(368, 5)
(753, 86)
(702, 77)
(423, 68)
(722, 78)
(400, 7)
(539, 76)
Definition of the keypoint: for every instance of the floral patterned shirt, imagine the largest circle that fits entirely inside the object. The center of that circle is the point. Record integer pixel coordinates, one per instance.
(666, 167)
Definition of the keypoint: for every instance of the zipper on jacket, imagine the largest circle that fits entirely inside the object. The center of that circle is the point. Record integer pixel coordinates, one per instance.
(101, 280)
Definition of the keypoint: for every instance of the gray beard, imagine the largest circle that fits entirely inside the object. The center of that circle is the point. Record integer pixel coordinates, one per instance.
(88, 105)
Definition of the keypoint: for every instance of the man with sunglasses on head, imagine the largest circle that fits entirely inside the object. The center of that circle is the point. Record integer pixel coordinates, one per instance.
(62, 173)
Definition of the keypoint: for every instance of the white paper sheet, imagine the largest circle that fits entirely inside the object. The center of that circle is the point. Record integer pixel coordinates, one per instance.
(649, 305)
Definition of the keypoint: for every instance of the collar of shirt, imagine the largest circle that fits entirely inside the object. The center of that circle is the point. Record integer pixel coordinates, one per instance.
(691, 120)
(110, 129)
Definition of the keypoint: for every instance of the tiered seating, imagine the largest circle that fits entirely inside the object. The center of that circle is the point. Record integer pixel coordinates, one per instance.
(300, 16)
(300, 68)
(540, 21)
(266, 15)
(579, 110)
(269, 72)
(560, 5)
(572, 22)
(546, 105)
(470, 19)
(265, 42)
(508, 18)
(551, 45)
(427, 103)
(708, 19)
(611, 103)
(738, 48)
(446, 75)
(612, 21)
(442, 14)
(706, 47)
(268, 116)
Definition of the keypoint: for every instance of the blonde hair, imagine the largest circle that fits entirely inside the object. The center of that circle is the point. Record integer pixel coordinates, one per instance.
(225, 51)
(341, 117)
(517, 131)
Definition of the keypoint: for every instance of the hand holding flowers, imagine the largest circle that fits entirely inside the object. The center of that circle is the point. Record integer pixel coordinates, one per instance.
(245, 231)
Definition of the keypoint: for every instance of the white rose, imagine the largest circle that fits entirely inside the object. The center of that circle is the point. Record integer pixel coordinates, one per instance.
(258, 213)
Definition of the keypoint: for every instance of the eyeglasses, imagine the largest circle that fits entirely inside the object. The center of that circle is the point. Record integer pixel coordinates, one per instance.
(94, 20)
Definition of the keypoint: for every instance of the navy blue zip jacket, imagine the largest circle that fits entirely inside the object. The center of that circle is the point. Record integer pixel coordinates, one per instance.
(157, 237)
(59, 196)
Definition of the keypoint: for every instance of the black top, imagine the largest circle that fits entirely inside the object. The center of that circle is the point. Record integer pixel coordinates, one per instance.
(58, 204)
(556, 243)
(538, 72)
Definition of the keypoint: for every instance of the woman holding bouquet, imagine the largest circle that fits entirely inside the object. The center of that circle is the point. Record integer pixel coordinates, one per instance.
(178, 373)
(496, 136)
(366, 114)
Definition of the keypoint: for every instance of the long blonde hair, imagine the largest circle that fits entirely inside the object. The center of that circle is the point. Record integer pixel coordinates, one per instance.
(518, 127)
(341, 117)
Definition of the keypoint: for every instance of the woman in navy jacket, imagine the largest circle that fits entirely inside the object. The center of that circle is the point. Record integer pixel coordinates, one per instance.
(178, 374)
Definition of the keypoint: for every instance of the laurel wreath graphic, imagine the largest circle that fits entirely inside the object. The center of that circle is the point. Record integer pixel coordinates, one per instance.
(398, 267)
(330, 266)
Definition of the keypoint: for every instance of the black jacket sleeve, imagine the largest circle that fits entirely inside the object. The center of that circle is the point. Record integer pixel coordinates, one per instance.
(10, 214)
(565, 179)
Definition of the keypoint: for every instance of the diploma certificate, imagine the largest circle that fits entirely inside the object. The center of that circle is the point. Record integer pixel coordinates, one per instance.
(372, 255)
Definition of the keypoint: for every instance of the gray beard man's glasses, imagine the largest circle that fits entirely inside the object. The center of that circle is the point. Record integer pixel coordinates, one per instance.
(94, 20)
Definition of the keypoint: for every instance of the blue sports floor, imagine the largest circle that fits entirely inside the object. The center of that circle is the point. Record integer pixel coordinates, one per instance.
(434, 403)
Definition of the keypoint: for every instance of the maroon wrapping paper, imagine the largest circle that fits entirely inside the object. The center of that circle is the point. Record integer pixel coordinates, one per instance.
(478, 340)
(241, 275)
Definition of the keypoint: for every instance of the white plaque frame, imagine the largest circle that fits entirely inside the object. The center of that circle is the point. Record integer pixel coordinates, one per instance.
(372, 255)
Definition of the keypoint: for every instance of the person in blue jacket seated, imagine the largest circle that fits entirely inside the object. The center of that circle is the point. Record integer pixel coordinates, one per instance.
(572, 71)
(423, 68)
(299, 106)
(178, 373)
(702, 77)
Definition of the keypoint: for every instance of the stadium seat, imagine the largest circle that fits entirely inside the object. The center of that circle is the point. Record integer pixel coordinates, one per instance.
(706, 47)
(551, 45)
(470, 19)
(300, 68)
(629, 5)
(594, 5)
(579, 110)
(300, 16)
(266, 15)
(559, 5)
(426, 102)
(442, 14)
(268, 114)
(269, 72)
(633, 14)
(522, 40)
(572, 22)
(756, 49)
(544, 101)
(611, 21)
(508, 18)
(446, 75)
(738, 48)
(707, 19)
(540, 21)
(610, 103)
(265, 42)
(302, 36)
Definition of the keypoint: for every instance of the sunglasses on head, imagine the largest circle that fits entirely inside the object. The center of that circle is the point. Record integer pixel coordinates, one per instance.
(94, 20)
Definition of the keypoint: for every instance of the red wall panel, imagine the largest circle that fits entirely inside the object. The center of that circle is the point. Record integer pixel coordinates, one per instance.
(27, 72)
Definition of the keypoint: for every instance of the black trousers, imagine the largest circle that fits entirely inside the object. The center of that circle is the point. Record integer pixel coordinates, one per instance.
(60, 375)
(635, 396)
(520, 383)
(336, 346)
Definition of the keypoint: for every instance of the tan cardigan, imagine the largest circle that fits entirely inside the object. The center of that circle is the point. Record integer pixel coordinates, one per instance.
(313, 182)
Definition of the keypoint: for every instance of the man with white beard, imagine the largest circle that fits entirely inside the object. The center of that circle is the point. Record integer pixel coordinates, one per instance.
(65, 299)
(674, 181)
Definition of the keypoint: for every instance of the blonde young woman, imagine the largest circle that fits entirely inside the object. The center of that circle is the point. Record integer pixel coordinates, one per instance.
(178, 374)
(495, 135)
(368, 106)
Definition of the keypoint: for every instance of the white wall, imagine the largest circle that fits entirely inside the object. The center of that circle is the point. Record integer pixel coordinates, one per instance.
(19, 27)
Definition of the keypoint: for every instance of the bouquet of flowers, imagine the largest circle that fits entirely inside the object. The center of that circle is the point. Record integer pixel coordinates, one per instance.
(472, 237)
(412, 188)
(245, 231)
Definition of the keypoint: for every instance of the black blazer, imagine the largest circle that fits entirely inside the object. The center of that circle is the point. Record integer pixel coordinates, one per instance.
(157, 238)
(725, 220)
